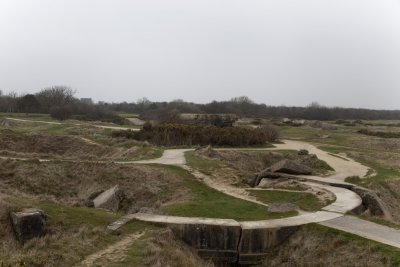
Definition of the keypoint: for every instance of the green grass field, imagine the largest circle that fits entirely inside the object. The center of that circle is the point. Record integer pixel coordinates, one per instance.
(306, 201)
(210, 203)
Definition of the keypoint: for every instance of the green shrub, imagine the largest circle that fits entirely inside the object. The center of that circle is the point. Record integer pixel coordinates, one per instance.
(380, 133)
(189, 135)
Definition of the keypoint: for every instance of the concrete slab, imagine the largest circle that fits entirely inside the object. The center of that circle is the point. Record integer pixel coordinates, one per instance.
(366, 229)
(314, 217)
(163, 219)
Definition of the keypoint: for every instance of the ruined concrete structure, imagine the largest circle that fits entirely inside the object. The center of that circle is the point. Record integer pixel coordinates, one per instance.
(28, 224)
(109, 199)
(223, 241)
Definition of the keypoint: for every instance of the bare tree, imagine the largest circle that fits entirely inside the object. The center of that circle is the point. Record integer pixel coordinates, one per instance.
(55, 96)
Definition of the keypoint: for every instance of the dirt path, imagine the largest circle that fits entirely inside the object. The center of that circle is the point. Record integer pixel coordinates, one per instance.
(113, 253)
(76, 124)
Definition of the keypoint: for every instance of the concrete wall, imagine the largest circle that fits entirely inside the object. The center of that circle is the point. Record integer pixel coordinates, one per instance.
(216, 242)
(255, 243)
(232, 244)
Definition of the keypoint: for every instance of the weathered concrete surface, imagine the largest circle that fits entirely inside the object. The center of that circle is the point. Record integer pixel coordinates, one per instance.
(313, 217)
(164, 219)
(366, 229)
(212, 242)
(346, 200)
(230, 241)
(115, 227)
(214, 239)
(290, 167)
(372, 202)
(109, 200)
(28, 224)
(256, 242)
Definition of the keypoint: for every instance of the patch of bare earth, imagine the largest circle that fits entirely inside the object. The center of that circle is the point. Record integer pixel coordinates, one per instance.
(112, 253)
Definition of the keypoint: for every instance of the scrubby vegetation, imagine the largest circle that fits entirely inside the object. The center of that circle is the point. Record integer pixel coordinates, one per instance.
(306, 201)
(60, 103)
(73, 233)
(252, 161)
(190, 135)
(14, 143)
(315, 245)
(61, 100)
(243, 106)
(380, 133)
(73, 183)
(162, 248)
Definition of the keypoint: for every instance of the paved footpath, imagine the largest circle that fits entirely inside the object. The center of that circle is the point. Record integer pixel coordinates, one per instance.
(366, 229)
(331, 216)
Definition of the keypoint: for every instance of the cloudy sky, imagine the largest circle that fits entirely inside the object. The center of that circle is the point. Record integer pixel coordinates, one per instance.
(291, 52)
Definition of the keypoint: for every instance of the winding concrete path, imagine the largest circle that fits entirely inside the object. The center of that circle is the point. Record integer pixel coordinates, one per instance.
(332, 215)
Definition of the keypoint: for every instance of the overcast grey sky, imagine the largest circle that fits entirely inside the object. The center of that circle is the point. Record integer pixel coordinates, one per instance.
(291, 52)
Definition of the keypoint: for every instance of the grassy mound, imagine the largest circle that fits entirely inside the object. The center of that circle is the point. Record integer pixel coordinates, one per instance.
(315, 245)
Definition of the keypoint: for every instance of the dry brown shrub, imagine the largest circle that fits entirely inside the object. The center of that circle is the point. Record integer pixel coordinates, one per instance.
(72, 183)
(309, 247)
(164, 250)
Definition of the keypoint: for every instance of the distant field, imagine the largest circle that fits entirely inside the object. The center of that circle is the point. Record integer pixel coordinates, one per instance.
(28, 116)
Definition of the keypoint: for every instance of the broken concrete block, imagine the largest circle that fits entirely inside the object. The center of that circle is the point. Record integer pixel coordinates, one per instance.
(290, 167)
(28, 224)
(109, 200)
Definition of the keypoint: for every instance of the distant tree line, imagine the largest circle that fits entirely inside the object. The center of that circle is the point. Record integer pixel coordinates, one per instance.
(189, 135)
(245, 107)
(61, 103)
